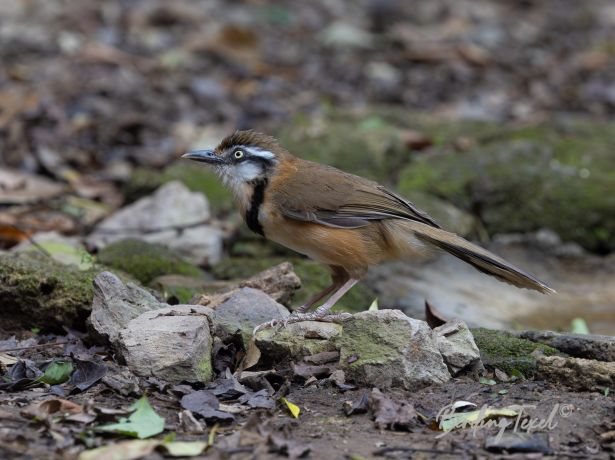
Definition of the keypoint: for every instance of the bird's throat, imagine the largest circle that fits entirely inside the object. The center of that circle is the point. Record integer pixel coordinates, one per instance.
(258, 195)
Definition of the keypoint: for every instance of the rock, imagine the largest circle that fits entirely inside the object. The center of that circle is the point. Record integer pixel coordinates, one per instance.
(296, 340)
(63, 249)
(577, 373)
(279, 282)
(145, 181)
(314, 278)
(173, 343)
(172, 216)
(37, 291)
(385, 348)
(115, 304)
(244, 310)
(445, 214)
(176, 289)
(145, 261)
(518, 442)
(598, 347)
(457, 347)
(583, 287)
(502, 350)
(527, 178)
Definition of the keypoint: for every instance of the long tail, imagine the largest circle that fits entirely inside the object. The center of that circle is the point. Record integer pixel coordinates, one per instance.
(479, 258)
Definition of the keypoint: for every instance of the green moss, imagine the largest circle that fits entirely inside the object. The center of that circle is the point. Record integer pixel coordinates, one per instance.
(314, 278)
(509, 353)
(36, 291)
(145, 261)
(558, 179)
(205, 369)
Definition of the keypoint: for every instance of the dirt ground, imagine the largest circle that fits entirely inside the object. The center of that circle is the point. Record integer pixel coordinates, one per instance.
(577, 422)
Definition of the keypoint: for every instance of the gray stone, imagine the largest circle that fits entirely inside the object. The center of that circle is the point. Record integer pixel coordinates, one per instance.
(296, 340)
(173, 216)
(589, 346)
(173, 343)
(245, 309)
(577, 373)
(115, 304)
(457, 346)
(385, 348)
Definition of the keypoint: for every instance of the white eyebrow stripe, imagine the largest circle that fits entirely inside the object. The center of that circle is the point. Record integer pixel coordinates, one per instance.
(258, 152)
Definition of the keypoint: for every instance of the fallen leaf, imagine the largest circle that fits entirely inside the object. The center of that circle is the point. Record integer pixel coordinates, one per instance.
(7, 360)
(391, 414)
(358, 406)
(579, 326)
(253, 354)
(433, 316)
(87, 374)
(374, 305)
(185, 448)
(50, 407)
(486, 381)
(461, 419)
(56, 372)
(126, 450)
(205, 403)
(142, 423)
(293, 408)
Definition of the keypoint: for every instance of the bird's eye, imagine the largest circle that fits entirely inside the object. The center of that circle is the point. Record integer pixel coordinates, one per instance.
(238, 154)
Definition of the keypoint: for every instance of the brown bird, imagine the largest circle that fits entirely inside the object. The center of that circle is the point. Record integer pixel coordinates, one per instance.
(338, 219)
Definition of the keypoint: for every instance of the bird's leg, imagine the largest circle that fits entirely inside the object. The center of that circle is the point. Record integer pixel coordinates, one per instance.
(337, 295)
(317, 297)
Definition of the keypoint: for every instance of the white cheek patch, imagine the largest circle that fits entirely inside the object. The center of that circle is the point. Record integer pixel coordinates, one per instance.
(247, 171)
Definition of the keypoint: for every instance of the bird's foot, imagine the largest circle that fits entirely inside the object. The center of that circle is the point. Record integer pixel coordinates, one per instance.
(300, 317)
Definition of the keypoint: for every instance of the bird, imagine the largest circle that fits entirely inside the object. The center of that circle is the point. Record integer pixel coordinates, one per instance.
(344, 221)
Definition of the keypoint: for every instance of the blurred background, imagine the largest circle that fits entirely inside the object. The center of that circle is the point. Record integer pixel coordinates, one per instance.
(496, 117)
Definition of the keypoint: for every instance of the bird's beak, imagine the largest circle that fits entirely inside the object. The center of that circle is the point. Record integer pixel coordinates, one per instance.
(204, 156)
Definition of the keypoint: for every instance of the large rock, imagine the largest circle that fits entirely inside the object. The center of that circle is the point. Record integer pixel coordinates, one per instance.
(525, 178)
(145, 261)
(244, 310)
(504, 351)
(577, 373)
(173, 343)
(386, 348)
(457, 346)
(296, 340)
(279, 282)
(35, 290)
(173, 216)
(589, 346)
(115, 304)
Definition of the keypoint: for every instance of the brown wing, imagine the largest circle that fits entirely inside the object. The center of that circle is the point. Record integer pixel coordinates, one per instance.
(326, 195)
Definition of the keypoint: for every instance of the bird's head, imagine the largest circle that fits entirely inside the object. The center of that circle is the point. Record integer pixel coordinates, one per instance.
(244, 157)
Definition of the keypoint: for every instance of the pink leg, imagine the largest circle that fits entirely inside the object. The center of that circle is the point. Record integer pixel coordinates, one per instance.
(337, 295)
(317, 297)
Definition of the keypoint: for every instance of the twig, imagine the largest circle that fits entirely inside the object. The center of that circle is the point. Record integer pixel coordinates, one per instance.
(30, 239)
(44, 345)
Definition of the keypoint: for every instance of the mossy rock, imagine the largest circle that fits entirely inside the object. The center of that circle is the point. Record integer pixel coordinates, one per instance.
(145, 261)
(502, 350)
(366, 144)
(314, 278)
(37, 291)
(556, 176)
(196, 177)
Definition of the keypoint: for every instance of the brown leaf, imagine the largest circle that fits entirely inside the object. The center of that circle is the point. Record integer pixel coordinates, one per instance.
(394, 415)
(433, 316)
(52, 406)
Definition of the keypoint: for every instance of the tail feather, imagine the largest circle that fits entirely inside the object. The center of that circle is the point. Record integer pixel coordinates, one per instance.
(480, 258)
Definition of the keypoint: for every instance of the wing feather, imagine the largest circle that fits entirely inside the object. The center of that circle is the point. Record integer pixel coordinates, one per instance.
(328, 196)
